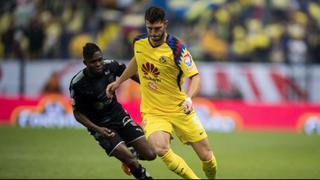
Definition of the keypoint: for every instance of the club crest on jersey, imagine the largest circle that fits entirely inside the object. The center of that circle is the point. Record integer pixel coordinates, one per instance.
(163, 59)
(187, 60)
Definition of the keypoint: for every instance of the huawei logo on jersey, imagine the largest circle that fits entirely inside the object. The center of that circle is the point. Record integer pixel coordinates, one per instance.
(150, 68)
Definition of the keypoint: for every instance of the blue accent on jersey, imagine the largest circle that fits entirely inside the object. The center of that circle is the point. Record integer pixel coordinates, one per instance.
(176, 46)
(177, 49)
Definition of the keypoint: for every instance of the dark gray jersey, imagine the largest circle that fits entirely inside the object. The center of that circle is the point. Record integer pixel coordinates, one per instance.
(89, 93)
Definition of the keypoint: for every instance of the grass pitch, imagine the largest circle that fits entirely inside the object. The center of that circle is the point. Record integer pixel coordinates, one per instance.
(73, 153)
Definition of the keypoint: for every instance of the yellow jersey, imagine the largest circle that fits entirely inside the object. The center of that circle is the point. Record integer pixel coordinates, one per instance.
(161, 71)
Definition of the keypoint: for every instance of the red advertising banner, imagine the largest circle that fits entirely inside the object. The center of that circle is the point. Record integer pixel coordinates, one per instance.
(9, 104)
(215, 115)
(275, 117)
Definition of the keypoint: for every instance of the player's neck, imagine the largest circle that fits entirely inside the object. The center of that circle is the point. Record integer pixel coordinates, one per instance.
(90, 74)
(158, 43)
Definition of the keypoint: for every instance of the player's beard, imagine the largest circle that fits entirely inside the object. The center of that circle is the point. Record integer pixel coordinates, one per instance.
(160, 38)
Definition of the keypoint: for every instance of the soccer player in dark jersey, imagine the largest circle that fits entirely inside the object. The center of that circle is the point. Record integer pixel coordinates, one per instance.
(104, 117)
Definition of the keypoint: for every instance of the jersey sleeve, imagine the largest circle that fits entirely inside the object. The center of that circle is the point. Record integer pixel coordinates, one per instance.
(75, 99)
(186, 63)
(182, 56)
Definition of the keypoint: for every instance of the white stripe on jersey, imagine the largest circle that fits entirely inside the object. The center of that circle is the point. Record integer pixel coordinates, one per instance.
(77, 78)
(108, 61)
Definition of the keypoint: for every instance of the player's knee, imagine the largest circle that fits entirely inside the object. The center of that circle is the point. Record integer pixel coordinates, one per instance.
(150, 155)
(161, 150)
(160, 142)
(147, 155)
(206, 155)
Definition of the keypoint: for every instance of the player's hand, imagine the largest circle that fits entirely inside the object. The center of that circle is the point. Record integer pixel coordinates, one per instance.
(187, 105)
(106, 133)
(111, 88)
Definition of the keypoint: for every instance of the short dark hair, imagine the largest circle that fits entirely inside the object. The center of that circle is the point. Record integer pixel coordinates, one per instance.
(154, 14)
(89, 49)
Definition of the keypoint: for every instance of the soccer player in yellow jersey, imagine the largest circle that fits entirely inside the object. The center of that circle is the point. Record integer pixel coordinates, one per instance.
(162, 62)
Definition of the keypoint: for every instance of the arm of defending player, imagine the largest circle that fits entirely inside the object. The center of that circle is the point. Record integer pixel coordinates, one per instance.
(81, 118)
(130, 71)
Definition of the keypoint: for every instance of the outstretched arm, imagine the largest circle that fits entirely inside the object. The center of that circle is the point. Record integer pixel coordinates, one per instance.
(130, 71)
(193, 90)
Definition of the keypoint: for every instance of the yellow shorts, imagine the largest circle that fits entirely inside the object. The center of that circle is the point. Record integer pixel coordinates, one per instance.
(188, 128)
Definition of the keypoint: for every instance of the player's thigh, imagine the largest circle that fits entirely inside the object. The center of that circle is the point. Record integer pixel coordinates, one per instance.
(108, 144)
(188, 128)
(160, 141)
(144, 149)
(130, 131)
(153, 123)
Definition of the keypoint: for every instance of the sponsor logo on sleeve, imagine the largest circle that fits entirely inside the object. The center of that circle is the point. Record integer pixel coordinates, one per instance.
(187, 60)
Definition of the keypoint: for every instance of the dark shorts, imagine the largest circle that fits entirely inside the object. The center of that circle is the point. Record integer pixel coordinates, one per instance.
(126, 131)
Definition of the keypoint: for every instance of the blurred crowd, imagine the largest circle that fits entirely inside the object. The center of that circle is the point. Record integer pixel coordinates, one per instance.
(274, 31)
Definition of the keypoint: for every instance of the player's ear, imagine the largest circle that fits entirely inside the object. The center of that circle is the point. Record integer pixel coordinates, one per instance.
(166, 22)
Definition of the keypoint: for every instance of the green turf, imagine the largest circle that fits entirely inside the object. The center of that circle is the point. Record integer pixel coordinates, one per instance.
(65, 153)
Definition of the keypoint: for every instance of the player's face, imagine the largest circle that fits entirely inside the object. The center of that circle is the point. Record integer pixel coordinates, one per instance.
(95, 64)
(156, 30)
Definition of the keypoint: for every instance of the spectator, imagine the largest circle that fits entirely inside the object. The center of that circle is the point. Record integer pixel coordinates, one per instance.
(240, 31)
(7, 39)
(36, 37)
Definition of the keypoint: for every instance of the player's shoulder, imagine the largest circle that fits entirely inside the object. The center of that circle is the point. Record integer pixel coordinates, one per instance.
(109, 61)
(171, 37)
(177, 47)
(140, 37)
(174, 42)
(112, 65)
(77, 78)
